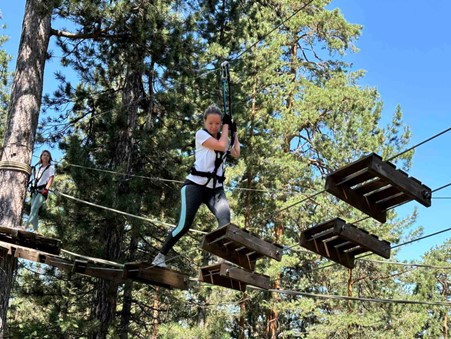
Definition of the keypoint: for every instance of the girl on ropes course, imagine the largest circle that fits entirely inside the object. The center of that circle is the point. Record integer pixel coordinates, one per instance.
(204, 184)
(39, 187)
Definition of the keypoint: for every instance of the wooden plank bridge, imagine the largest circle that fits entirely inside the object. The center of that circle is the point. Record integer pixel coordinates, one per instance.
(37, 248)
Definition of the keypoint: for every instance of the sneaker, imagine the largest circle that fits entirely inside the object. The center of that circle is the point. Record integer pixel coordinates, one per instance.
(32, 230)
(159, 260)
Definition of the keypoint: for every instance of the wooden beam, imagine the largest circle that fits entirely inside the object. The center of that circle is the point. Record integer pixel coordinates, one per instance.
(230, 276)
(154, 275)
(341, 242)
(212, 275)
(373, 186)
(239, 246)
(29, 239)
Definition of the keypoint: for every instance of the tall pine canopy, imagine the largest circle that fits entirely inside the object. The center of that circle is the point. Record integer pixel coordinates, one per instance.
(135, 77)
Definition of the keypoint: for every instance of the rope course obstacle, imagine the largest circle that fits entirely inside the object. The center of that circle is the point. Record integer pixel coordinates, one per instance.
(372, 186)
(242, 248)
(368, 184)
(37, 248)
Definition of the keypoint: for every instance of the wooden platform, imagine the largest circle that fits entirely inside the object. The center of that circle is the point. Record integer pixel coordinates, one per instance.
(98, 268)
(29, 239)
(373, 186)
(230, 276)
(341, 242)
(87, 268)
(236, 245)
(155, 275)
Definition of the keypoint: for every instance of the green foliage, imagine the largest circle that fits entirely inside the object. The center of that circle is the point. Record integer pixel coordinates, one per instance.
(143, 79)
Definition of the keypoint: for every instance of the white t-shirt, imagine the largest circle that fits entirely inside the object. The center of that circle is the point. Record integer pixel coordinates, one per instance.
(44, 174)
(205, 160)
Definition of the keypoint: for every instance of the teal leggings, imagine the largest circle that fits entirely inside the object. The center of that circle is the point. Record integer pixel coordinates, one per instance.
(192, 197)
(37, 199)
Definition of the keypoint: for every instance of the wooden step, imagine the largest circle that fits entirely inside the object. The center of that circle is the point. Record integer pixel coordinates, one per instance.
(154, 275)
(29, 239)
(86, 268)
(230, 276)
(99, 268)
(373, 186)
(238, 246)
(341, 242)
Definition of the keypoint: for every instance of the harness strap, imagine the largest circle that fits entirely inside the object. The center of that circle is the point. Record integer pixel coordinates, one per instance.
(34, 183)
(220, 156)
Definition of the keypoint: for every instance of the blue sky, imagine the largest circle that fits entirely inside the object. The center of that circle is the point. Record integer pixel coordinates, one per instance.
(405, 49)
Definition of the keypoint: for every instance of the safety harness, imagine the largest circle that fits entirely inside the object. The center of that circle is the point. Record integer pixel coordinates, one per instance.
(220, 156)
(33, 184)
(219, 160)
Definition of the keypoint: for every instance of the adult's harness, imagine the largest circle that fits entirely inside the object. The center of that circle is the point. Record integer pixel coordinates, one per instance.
(33, 184)
(219, 160)
(220, 156)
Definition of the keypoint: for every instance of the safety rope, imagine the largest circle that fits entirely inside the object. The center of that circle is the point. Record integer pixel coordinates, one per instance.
(154, 221)
(15, 166)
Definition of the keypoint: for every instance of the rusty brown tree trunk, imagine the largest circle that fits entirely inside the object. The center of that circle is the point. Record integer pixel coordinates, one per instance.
(22, 122)
(445, 326)
(156, 308)
(272, 318)
(128, 289)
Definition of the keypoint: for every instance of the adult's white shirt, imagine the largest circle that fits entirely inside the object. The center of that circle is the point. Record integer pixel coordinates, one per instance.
(44, 174)
(205, 160)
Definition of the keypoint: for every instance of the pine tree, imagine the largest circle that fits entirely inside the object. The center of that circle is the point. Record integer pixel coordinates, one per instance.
(23, 113)
(145, 73)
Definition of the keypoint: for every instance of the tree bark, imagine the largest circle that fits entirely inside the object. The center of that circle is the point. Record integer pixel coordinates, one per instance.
(272, 323)
(21, 125)
(128, 290)
(106, 292)
(156, 311)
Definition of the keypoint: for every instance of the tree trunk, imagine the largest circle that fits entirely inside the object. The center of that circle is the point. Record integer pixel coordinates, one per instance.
(128, 290)
(242, 323)
(445, 326)
(23, 115)
(106, 292)
(273, 315)
(156, 308)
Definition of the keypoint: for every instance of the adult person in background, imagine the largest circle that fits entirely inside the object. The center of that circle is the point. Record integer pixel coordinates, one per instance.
(40, 184)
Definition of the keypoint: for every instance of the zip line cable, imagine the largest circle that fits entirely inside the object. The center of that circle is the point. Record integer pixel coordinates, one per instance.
(348, 298)
(368, 254)
(419, 144)
(342, 297)
(154, 178)
(271, 31)
(407, 264)
(391, 158)
(246, 50)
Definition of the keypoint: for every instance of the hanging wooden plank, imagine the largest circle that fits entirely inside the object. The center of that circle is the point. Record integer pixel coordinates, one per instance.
(154, 275)
(373, 186)
(341, 242)
(29, 239)
(237, 245)
(60, 263)
(99, 268)
(230, 276)
(90, 269)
